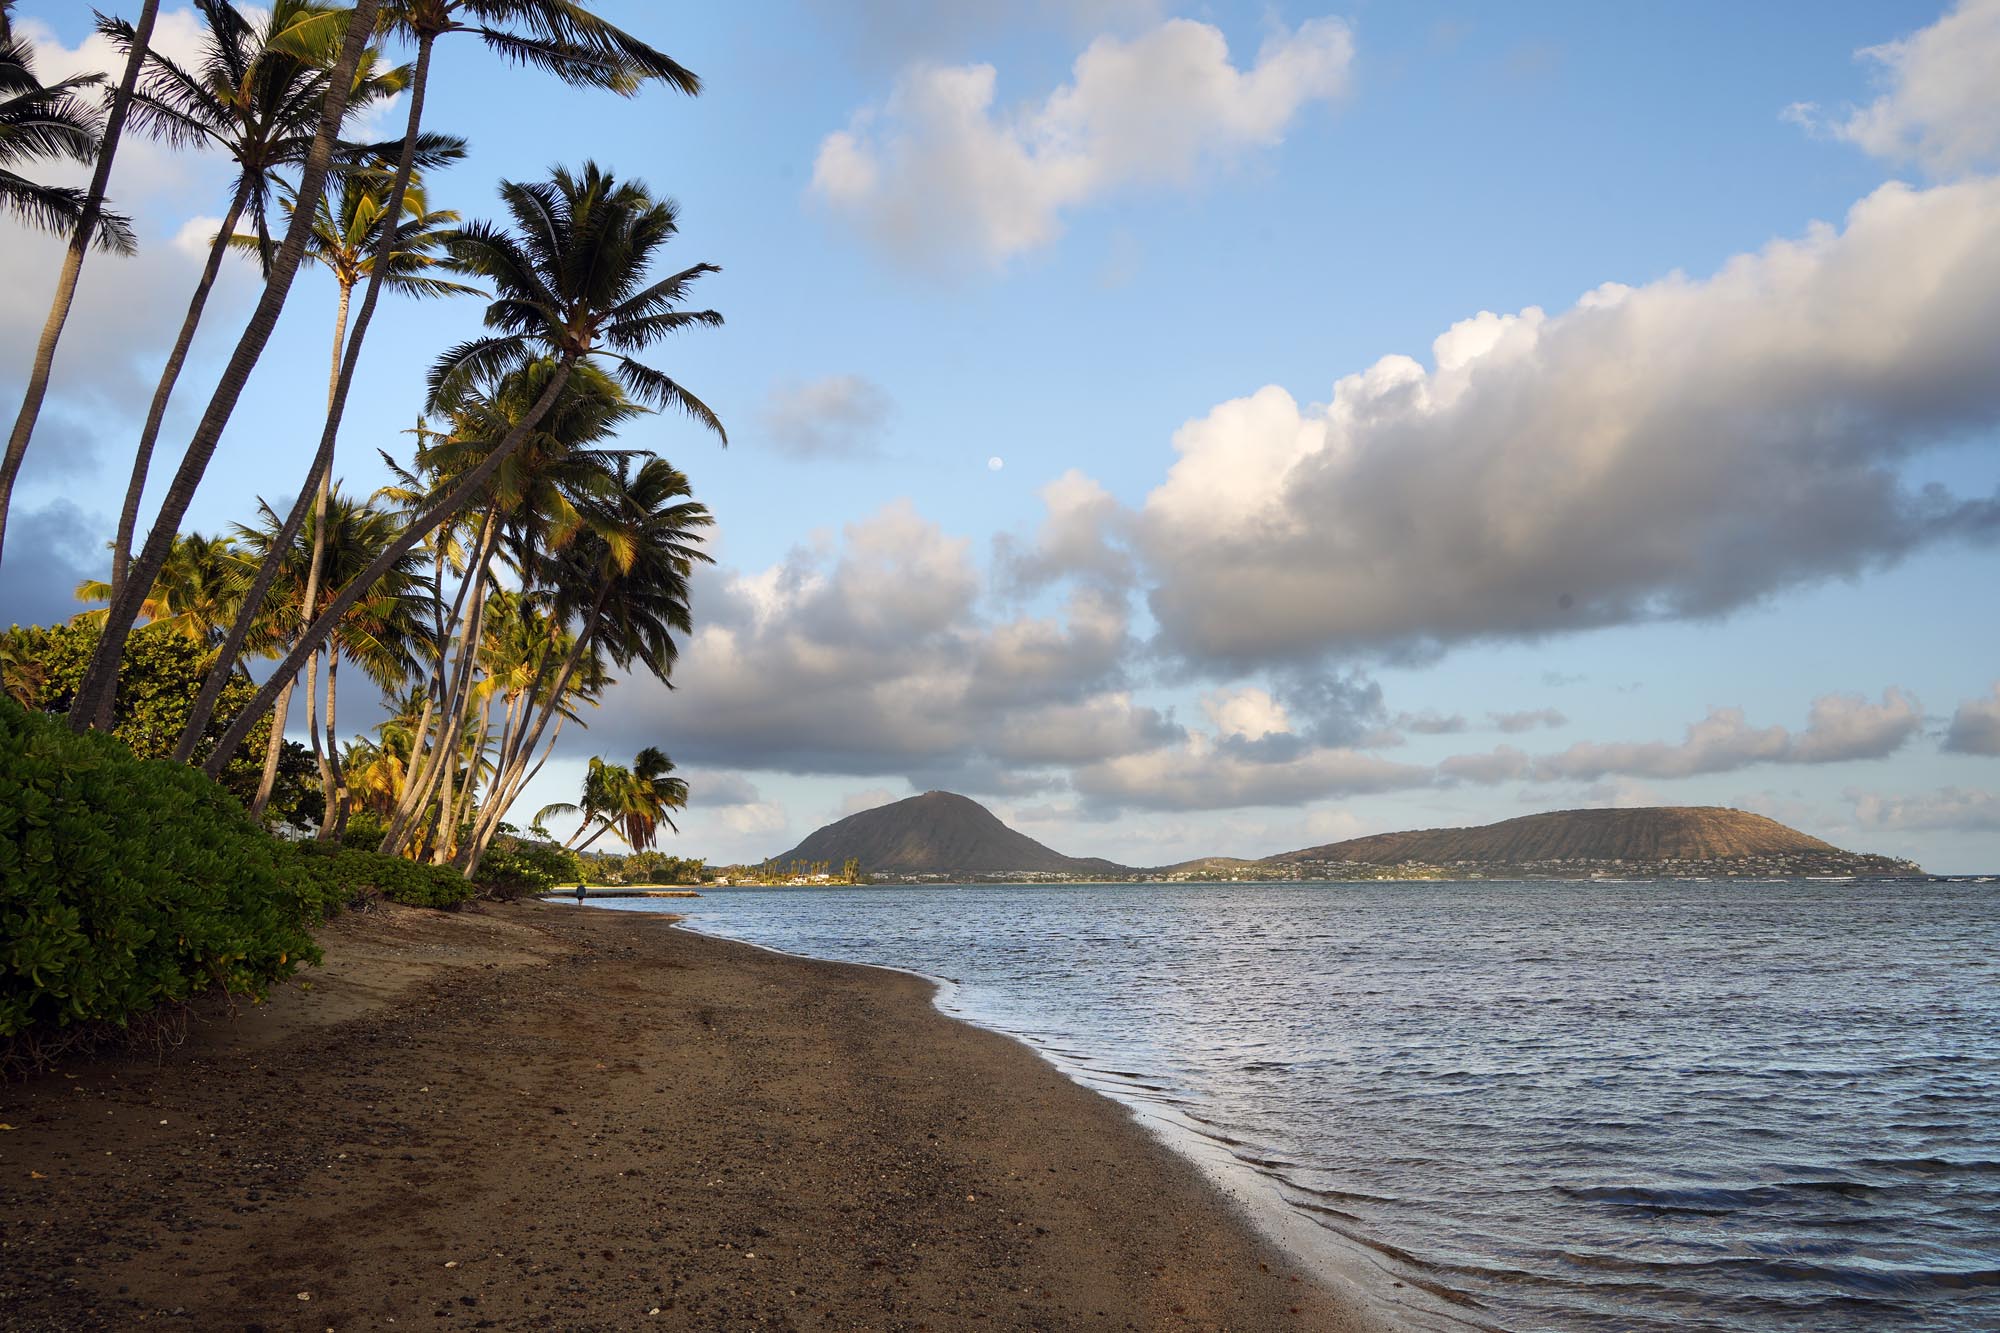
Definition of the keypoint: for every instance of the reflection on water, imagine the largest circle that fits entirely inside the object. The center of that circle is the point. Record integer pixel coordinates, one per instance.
(1582, 1106)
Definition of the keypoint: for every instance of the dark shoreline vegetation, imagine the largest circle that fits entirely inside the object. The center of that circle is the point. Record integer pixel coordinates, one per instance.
(521, 560)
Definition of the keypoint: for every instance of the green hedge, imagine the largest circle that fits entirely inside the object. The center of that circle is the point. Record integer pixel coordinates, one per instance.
(328, 877)
(127, 884)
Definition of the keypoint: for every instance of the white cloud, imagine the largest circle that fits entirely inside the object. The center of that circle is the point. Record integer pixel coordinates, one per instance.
(835, 416)
(936, 173)
(1839, 728)
(1940, 108)
(1975, 726)
(1248, 712)
(143, 166)
(1948, 809)
(1679, 449)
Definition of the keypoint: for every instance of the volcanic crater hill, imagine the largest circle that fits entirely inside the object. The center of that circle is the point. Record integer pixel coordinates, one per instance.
(1657, 834)
(939, 832)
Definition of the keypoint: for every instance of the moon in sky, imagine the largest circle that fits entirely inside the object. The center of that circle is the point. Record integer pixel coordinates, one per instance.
(995, 464)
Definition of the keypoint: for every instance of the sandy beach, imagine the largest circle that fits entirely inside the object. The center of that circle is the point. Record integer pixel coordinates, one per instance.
(540, 1117)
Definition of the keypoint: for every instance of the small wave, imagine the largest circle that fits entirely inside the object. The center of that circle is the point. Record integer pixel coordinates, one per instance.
(1931, 1166)
(1862, 1278)
(1714, 1199)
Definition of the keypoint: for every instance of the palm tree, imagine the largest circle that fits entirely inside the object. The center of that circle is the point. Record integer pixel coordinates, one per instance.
(98, 690)
(345, 241)
(347, 227)
(254, 95)
(632, 801)
(560, 36)
(380, 633)
(53, 120)
(626, 583)
(530, 505)
(42, 122)
(571, 287)
(195, 596)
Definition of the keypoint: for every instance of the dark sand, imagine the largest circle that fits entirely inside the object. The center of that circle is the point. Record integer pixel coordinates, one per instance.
(539, 1117)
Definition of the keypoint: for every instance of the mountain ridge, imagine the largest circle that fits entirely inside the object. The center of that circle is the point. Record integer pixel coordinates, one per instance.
(942, 833)
(939, 832)
(1648, 833)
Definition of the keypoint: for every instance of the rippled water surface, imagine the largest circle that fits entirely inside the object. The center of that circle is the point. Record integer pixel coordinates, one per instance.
(1580, 1106)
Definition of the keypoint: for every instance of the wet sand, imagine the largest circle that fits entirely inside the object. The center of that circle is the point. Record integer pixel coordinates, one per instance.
(539, 1117)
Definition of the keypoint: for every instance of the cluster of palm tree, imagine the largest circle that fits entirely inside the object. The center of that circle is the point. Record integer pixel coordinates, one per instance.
(520, 556)
(632, 802)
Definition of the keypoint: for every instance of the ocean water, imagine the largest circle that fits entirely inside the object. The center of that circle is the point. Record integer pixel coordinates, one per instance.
(1671, 1105)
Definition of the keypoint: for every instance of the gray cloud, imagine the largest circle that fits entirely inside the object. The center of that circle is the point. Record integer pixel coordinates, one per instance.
(719, 789)
(1082, 537)
(50, 550)
(1200, 775)
(1431, 723)
(1527, 720)
(836, 416)
(870, 657)
(1975, 726)
(1839, 727)
(1503, 764)
(1948, 809)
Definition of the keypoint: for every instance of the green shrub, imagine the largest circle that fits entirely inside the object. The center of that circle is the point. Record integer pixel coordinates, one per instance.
(514, 866)
(331, 877)
(126, 884)
(364, 829)
(158, 678)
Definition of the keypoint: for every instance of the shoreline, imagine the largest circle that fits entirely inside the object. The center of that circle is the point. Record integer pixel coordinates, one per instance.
(528, 1117)
(1398, 1298)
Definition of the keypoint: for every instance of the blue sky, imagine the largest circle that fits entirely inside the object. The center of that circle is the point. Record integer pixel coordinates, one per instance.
(1165, 210)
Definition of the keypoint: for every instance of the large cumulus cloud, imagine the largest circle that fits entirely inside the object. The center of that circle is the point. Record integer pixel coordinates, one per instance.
(1679, 449)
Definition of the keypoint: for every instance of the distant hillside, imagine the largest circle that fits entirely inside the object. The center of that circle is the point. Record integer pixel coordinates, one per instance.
(1660, 833)
(939, 832)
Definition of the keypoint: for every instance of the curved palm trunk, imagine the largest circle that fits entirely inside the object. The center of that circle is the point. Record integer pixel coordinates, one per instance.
(485, 839)
(274, 751)
(335, 817)
(142, 459)
(312, 736)
(324, 495)
(343, 381)
(99, 689)
(452, 690)
(425, 755)
(328, 778)
(455, 501)
(508, 784)
(456, 812)
(72, 269)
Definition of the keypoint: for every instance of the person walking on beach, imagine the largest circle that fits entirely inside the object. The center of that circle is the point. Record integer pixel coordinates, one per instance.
(579, 893)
